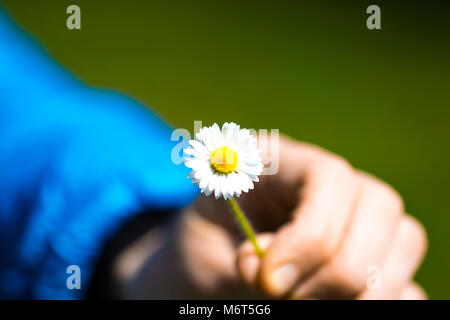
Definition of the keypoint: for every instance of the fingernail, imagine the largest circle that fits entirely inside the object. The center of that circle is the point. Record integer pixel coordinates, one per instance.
(284, 277)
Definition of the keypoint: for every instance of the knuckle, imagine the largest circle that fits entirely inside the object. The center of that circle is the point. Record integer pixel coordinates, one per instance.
(417, 235)
(340, 163)
(334, 164)
(418, 292)
(393, 199)
(382, 192)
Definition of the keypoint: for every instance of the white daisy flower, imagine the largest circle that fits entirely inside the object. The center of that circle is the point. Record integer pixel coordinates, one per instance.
(225, 161)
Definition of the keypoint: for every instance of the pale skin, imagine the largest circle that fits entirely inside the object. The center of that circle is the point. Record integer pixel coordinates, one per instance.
(322, 223)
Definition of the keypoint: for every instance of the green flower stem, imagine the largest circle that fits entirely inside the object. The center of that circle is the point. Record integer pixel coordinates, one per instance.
(245, 225)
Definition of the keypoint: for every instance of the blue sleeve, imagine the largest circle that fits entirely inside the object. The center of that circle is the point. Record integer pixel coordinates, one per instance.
(75, 163)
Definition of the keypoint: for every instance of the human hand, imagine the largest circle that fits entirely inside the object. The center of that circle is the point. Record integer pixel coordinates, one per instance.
(343, 223)
(324, 226)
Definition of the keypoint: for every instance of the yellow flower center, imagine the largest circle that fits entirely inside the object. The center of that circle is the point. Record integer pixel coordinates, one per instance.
(224, 159)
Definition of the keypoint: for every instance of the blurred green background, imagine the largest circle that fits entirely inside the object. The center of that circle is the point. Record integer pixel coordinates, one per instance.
(312, 69)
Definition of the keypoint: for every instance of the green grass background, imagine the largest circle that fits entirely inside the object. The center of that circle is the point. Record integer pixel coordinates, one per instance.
(311, 69)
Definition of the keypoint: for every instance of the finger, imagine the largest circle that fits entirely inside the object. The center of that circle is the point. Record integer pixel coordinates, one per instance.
(327, 198)
(403, 258)
(413, 292)
(248, 261)
(365, 244)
